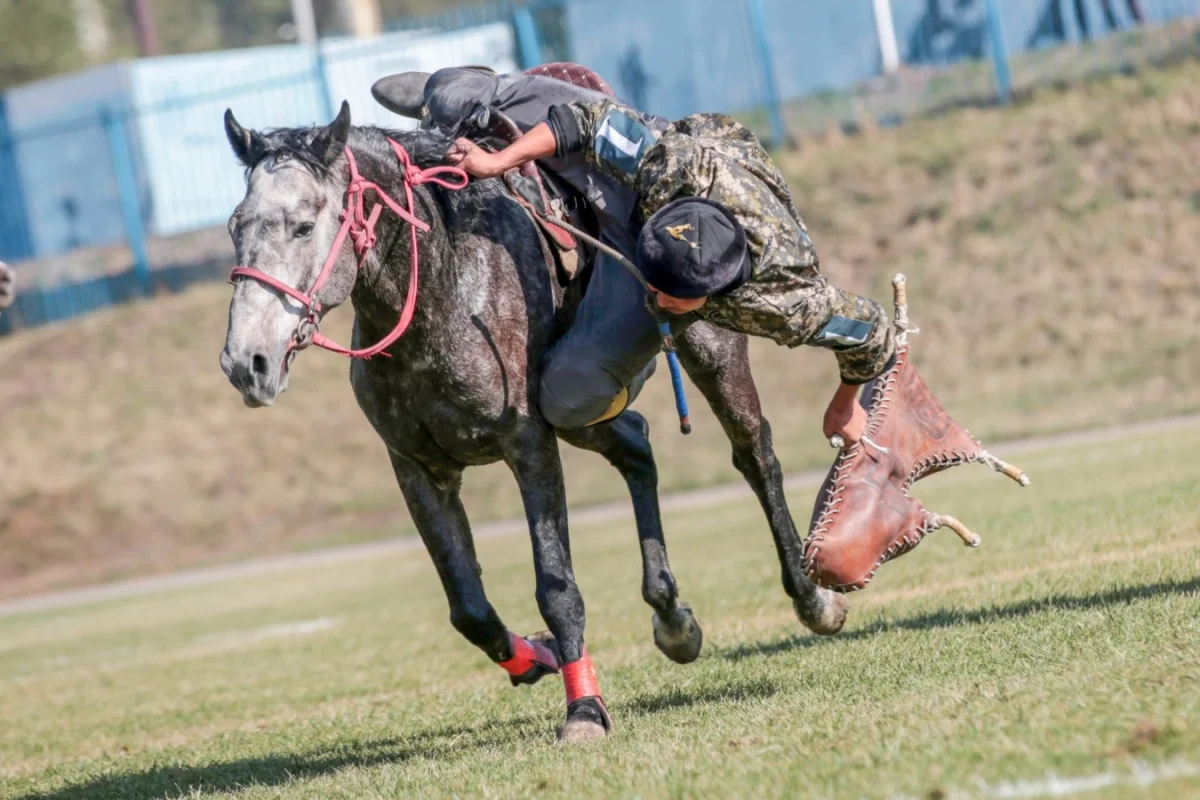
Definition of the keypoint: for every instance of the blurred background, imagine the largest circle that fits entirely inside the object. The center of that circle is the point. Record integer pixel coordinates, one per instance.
(1031, 164)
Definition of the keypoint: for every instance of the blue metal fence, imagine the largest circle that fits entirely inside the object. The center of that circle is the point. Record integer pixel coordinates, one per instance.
(115, 184)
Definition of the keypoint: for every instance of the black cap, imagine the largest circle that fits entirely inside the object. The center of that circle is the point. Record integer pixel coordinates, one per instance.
(693, 248)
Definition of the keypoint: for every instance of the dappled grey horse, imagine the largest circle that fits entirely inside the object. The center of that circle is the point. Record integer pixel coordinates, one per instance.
(458, 388)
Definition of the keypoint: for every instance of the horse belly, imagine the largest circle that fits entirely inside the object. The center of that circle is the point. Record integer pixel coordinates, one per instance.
(465, 423)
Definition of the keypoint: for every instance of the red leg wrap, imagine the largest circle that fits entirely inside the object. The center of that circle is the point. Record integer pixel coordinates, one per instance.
(526, 655)
(579, 677)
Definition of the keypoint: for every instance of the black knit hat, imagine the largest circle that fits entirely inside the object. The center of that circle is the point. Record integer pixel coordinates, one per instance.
(693, 248)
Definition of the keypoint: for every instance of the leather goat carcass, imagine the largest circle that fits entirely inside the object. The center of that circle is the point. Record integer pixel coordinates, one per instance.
(864, 514)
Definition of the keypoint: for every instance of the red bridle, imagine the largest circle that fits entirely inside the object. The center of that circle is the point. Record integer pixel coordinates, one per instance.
(360, 227)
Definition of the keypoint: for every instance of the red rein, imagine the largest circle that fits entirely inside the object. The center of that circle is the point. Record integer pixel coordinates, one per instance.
(360, 227)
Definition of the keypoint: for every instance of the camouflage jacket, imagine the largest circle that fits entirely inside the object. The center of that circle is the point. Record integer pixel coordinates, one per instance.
(713, 156)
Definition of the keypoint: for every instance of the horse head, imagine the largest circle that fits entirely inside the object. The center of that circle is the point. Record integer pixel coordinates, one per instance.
(285, 228)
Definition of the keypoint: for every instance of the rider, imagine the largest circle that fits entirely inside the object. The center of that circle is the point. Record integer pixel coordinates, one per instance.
(600, 365)
(720, 239)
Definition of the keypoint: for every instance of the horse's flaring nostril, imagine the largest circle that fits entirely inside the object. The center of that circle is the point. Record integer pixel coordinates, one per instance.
(259, 364)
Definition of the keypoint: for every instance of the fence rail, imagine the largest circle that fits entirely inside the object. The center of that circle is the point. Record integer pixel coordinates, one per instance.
(115, 183)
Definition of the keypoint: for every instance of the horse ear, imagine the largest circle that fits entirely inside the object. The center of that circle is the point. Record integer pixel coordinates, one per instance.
(246, 144)
(330, 141)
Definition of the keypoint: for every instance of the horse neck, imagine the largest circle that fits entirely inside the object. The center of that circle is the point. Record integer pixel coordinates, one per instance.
(382, 286)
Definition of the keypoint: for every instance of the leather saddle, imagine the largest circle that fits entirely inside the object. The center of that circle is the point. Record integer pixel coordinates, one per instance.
(546, 198)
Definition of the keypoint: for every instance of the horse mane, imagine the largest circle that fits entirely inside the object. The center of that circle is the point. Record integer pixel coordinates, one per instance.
(426, 148)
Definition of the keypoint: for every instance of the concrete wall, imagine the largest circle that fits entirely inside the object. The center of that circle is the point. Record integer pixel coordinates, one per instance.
(15, 240)
(676, 57)
(194, 179)
(172, 109)
(670, 57)
(62, 157)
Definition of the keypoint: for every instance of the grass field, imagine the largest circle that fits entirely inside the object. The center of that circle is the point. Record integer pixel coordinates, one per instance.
(1066, 645)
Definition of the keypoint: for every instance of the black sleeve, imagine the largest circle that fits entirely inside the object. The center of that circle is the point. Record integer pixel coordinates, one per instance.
(568, 136)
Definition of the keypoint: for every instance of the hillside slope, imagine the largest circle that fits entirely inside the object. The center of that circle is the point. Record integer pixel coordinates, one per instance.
(1051, 251)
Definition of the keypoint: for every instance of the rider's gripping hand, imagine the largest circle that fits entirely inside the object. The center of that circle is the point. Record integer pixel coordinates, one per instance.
(477, 162)
(539, 142)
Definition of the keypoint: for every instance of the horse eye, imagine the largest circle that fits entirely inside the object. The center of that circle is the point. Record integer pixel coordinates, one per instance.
(304, 229)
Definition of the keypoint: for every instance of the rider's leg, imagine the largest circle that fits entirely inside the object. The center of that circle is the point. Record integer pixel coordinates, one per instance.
(601, 363)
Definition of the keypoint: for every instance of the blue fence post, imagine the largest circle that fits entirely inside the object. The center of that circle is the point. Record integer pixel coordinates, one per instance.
(16, 241)
(758, 21)
(999, 52)
(529, 43)
(127, 189)
(322, 77)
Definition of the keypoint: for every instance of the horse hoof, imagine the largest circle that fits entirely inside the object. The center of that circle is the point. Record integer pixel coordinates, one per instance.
(678, 635)
(581, 730)
(545, 638)
(825, 613)
(587, 721)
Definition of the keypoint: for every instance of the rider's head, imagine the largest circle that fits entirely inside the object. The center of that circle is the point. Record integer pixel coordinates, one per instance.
(690, 250)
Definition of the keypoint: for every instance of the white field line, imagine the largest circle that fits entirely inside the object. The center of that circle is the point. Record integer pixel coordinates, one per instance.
(608, 512)
(1140, 775)
(277, 631)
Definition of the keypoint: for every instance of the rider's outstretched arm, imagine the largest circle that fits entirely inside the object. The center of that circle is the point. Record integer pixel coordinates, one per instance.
(614, 138)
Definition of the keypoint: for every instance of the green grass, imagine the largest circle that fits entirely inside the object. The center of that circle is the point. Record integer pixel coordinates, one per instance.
(1066, 645)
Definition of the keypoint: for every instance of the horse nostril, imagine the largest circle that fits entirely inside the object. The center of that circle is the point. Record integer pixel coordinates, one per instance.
(259, 364)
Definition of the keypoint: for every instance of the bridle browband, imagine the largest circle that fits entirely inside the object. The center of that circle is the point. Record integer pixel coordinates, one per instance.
(360, 228)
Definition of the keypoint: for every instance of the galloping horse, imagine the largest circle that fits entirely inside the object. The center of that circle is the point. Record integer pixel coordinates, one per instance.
(458, 388)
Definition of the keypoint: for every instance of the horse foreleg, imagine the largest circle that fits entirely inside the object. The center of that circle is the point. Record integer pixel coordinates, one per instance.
(718, 362)
(435, 506)
(625, 443)
(534, 461)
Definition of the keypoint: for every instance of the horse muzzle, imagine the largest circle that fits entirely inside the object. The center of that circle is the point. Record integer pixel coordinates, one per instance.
(259, 378)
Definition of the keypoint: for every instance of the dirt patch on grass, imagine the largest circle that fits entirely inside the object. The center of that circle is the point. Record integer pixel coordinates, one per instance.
(1050, 248)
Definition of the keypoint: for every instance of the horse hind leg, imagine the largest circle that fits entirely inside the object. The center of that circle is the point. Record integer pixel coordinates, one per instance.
(625, 443)
(718, 362)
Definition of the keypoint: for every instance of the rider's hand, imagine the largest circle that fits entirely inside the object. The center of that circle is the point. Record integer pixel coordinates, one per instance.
(844, 416)
(477, 162)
